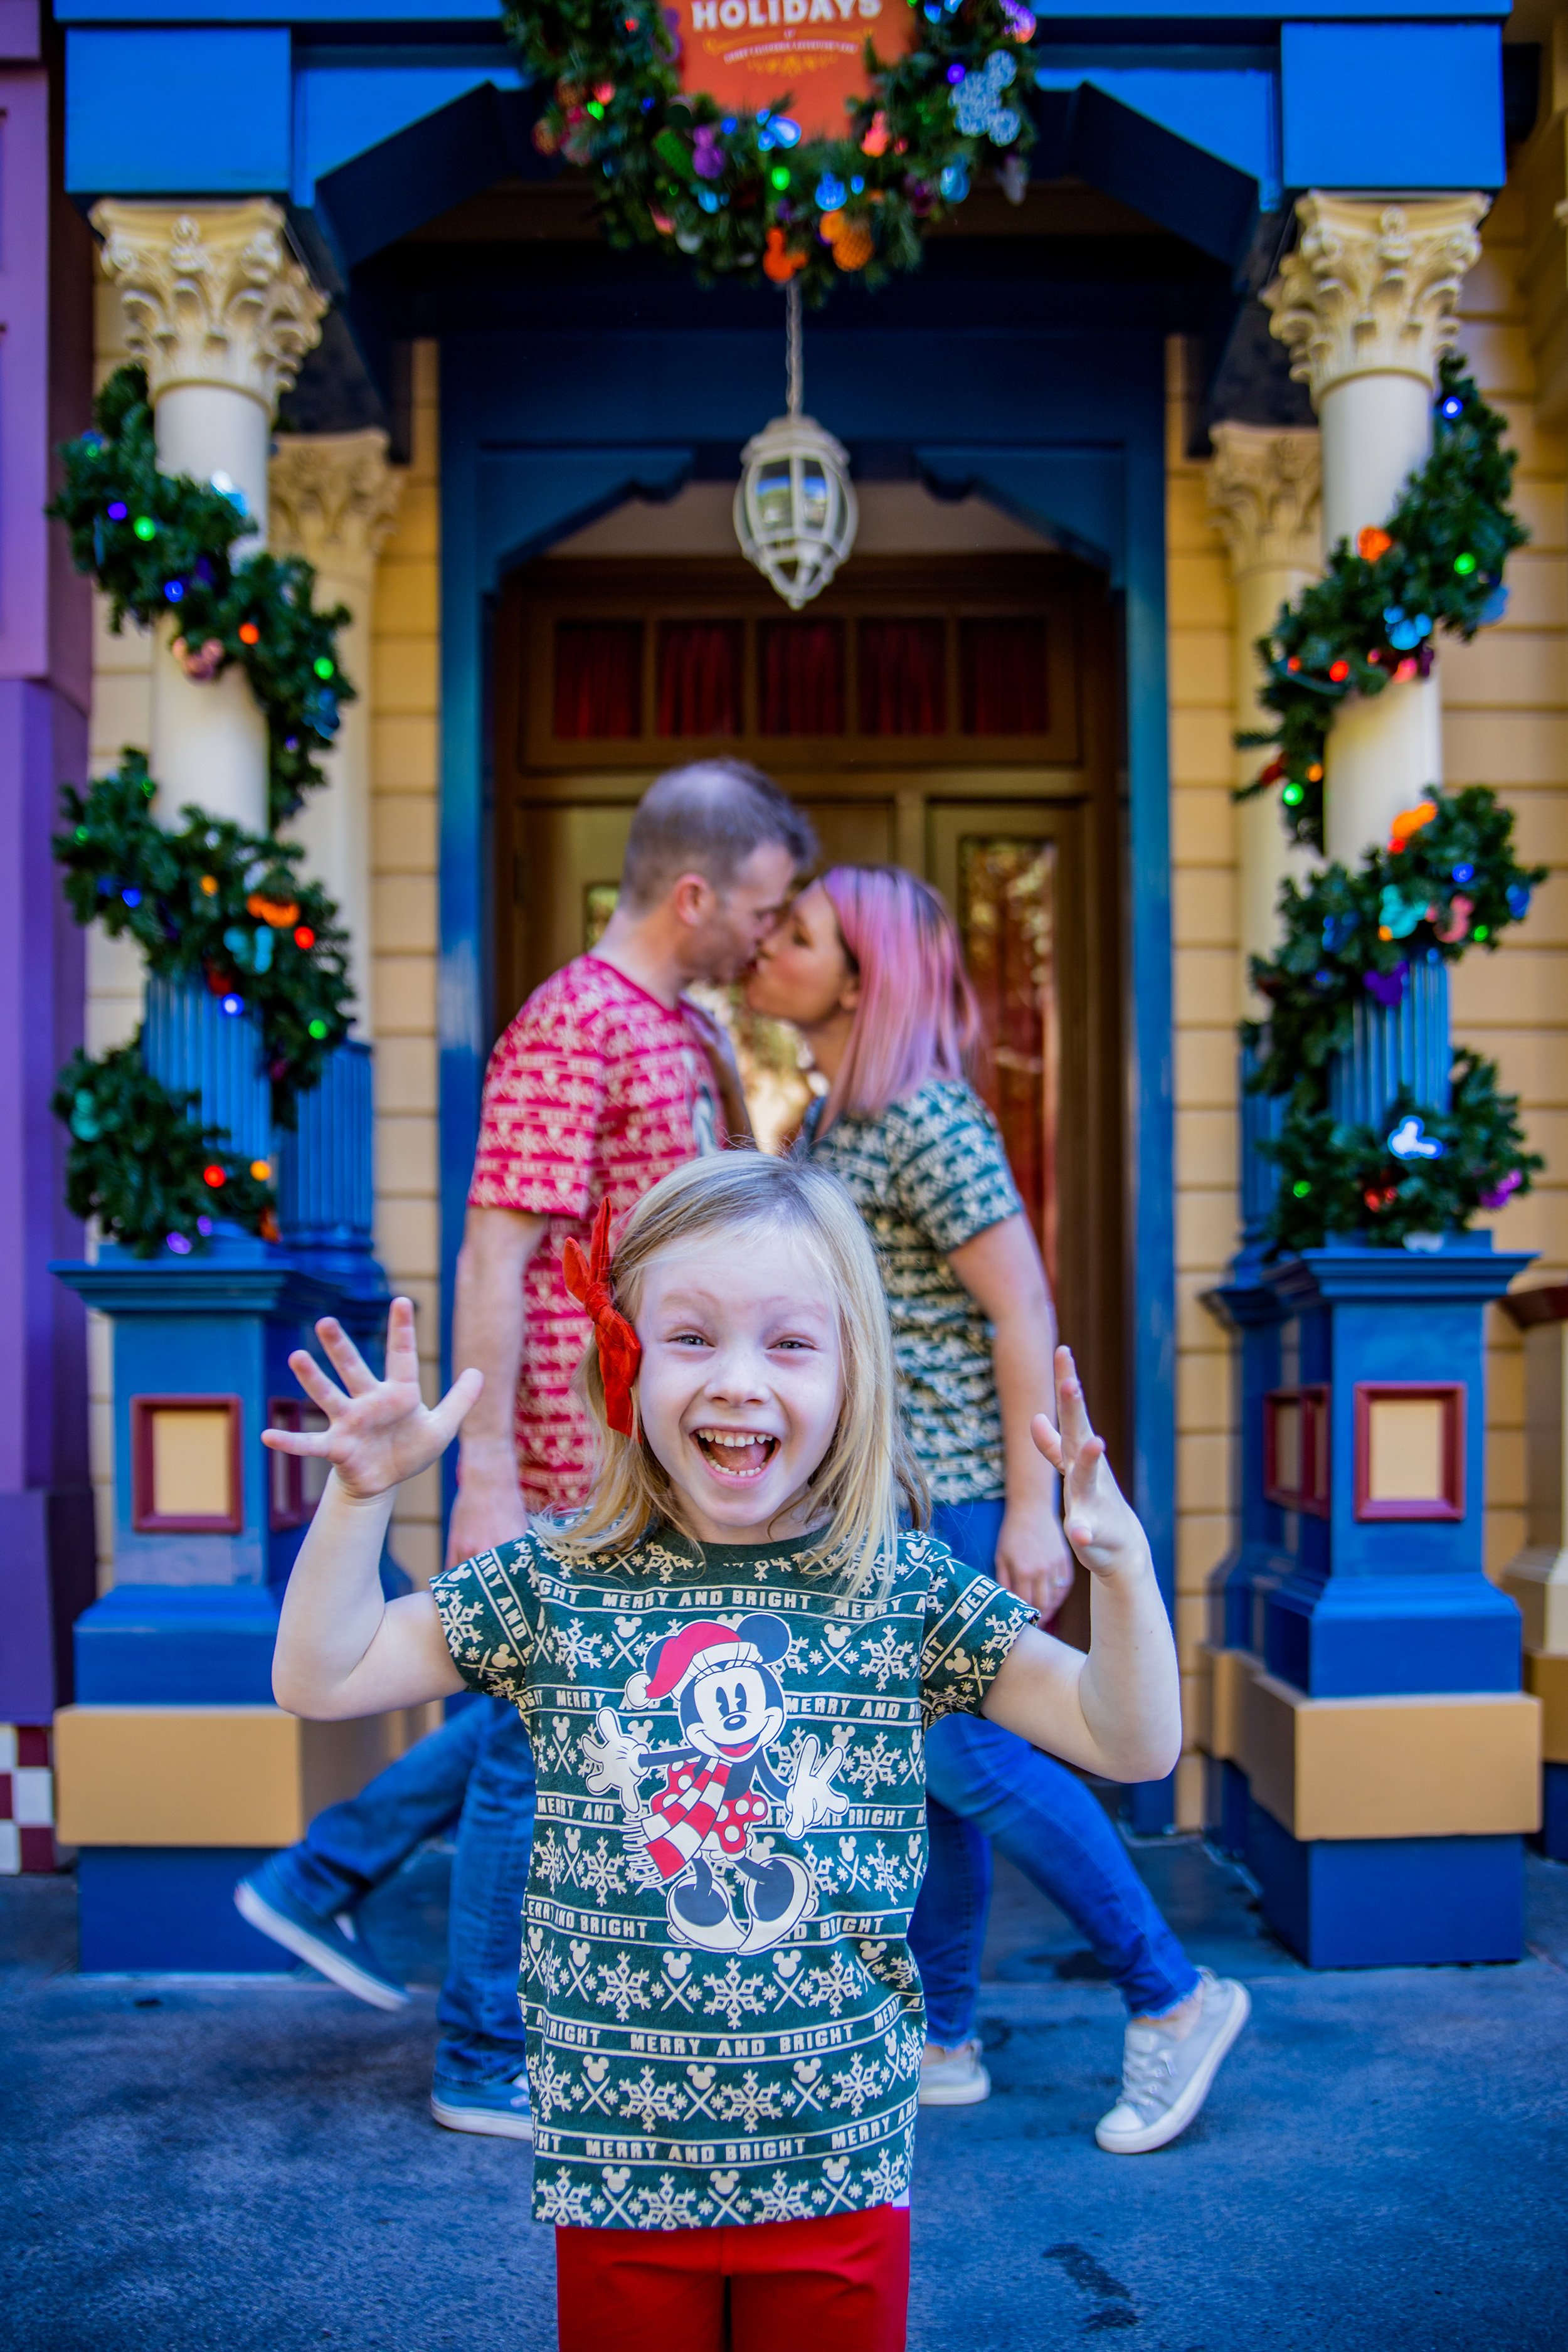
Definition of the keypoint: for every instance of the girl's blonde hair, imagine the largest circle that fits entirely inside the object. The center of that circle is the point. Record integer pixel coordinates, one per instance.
(868, 1472)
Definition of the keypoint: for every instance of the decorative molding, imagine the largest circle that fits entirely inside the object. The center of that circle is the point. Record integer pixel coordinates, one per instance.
(1373, 286)
(1266, 495)
(210, 296)
(335, 498)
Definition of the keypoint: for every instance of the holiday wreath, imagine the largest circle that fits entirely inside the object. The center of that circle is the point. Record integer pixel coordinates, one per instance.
(747, 194)
(1447, 880)
(208, 902)
(1372, 619)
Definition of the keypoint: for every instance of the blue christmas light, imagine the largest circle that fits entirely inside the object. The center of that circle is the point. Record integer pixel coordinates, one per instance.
(132, 896)
(954, 183)
(1464, 871)
(855, 184)
(977, 104)
(117, 511)
(204, 1226)
(778, 130)
(232, 1004)
(1453, 405)
(174, 590)
(1410, 1140)
(1518, 896)
(830, 192)
(956, 73)
(178, 1243)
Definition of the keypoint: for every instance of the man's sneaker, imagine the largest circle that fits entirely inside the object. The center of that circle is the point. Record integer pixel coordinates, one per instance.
(500, 2109)
(265, 1901)
(1164, 2082)
(955, 2078)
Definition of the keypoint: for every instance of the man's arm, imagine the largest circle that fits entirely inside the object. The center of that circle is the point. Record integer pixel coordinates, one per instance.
(487, 1332)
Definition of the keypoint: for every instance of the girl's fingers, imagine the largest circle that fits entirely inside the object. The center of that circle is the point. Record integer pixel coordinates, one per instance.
(296, 1440)
(1075, 1426)
(315, 1383)
(453, 1408)
(402, 1350)
(349, 1364)
(1046, 1440)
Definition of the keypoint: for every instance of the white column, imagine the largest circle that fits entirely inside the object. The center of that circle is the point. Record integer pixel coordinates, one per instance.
(1366, 304)
(335, 498)
(1264, 498)
(220, 314)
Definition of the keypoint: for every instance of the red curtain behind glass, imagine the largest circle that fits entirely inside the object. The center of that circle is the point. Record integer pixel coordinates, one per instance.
(800, 678)
(1003, 686)
(699, 677)
(903, 678)
(598, 679)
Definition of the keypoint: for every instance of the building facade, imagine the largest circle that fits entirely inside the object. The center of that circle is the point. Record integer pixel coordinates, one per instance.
(1096, 440)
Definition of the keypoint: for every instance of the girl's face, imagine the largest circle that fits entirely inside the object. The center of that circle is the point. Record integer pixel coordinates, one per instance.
(742, 1380)
(804, 972)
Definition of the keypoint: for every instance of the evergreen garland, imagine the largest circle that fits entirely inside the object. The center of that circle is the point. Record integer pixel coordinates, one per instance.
(208, 902)
(1372, 617)
(159, 545)
(140, 1164)
(1448, 881)
(743, 195)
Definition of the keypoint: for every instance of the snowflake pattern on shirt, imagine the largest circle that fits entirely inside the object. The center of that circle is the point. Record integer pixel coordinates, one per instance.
(724, 2018)
(927, 1175)
(596, 1089)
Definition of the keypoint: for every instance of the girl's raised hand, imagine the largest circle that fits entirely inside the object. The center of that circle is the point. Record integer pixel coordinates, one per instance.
(378, 1432)
(1101, 1527)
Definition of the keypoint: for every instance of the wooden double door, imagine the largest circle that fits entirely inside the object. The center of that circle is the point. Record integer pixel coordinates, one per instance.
(956, 717)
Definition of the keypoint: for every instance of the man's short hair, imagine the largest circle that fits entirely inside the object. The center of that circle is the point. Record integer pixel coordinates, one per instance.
(707, 819)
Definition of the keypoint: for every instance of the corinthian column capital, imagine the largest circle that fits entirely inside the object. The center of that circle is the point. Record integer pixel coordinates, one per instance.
(1265, 488)
(1372, 287)
(334, 500)
(211, 296)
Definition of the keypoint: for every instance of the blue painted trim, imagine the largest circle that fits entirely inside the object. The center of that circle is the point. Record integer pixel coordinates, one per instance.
(1424, 101)
(1384, 1903)
(154, 1909)
(150, 111)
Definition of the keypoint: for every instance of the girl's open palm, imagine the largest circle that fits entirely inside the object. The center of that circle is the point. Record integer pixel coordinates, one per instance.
(1102, 1528)
(378, 1432)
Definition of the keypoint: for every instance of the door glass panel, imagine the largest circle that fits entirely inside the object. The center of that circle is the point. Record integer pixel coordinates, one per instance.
(598, 679)
(1004, 677)
(699, 666)
(903, 678)
(800, 678)
(1006, 912)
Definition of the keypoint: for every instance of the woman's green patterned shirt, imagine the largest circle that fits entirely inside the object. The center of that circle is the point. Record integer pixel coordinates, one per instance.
(927, 1175)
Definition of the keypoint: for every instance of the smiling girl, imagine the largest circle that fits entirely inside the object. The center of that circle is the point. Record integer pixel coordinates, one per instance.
(727, 1666)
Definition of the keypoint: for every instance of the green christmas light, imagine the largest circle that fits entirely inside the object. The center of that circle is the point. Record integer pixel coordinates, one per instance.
(318, 1029)
(1300, 1188)
(1292, 795)
(1464, 565)
(144, 527)
(322, 667)
(779, 176)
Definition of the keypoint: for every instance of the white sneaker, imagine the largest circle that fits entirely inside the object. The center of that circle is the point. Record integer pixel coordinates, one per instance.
(1164, 2082)
(955, 2080)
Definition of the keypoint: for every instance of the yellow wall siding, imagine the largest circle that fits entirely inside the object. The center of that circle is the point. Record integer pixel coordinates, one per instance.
(1505, 723)
(1207, 1005)
(405, 800)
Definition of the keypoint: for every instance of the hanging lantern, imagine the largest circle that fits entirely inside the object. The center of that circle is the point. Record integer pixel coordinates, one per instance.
(795, 515)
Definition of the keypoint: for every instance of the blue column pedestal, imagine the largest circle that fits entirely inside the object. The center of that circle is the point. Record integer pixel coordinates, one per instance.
(1371, 1903)
(1554, 1811)
(158, 1910)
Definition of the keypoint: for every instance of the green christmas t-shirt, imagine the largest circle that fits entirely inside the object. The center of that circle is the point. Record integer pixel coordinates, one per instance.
(724, 2018)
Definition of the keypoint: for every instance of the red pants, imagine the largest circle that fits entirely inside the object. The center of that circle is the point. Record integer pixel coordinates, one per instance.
(840, 2286)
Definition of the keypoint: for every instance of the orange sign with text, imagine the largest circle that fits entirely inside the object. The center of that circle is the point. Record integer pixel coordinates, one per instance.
(748, 53)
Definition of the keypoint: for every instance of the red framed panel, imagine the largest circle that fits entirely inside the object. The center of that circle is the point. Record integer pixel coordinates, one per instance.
(1308, 1490)
(1448, 1503)
(145, 1518)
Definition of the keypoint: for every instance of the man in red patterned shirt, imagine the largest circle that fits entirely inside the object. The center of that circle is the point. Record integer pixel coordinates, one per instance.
(607, 1078)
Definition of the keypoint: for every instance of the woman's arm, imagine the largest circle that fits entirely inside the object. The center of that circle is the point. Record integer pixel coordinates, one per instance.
(1001, 1270)
(341, 1649)
(1118, 1710)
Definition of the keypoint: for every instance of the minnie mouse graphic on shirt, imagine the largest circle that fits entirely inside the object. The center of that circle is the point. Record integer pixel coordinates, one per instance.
(718, 1789)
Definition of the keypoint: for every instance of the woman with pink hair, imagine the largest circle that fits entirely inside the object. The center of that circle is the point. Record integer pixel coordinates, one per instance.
(867, 964)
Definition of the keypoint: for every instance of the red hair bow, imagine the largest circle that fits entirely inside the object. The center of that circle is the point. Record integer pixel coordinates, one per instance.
(620, 1349)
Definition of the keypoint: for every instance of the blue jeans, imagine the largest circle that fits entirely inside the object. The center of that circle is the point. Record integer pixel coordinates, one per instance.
(984, 1786)
(476, 1772)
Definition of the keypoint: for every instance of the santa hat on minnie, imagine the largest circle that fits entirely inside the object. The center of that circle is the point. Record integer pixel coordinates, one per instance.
(696, 1649)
